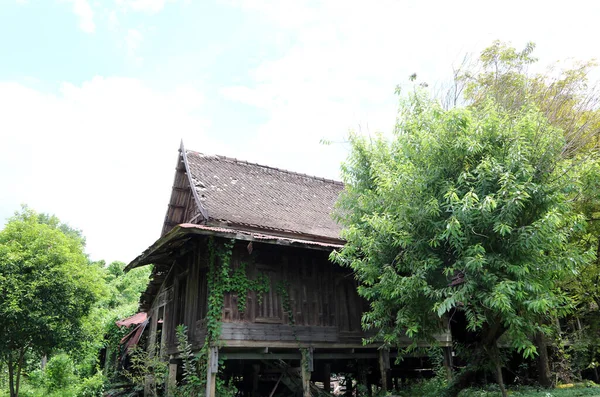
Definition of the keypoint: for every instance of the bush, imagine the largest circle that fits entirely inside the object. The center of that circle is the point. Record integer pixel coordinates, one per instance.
(92, 386)
(36, 378)
(59, 372)
(433, 387)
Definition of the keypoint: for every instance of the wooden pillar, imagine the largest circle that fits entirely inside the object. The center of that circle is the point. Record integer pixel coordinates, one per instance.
(384, 368)
(149, 379)
(149, 386)
(306, 368)
(255, 372)
(348, 380)
(212, 368)
(327, 378)
(172, 380)
(448, 361)
(362, 375)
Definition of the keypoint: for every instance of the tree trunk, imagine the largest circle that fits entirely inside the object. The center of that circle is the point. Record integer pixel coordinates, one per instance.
(11, 373)
(484, 350)
(495, 355)
(544, 376)
(461, 380)
(19, 366)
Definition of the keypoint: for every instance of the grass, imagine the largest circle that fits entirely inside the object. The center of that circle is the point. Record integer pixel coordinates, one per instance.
(578, 391)
(434, 388)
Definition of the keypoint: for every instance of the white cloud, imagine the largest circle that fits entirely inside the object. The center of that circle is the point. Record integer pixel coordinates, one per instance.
(149, 6)
(113, 20)
(100, 155)
(347, 57)
(133, 40)
(84, 12)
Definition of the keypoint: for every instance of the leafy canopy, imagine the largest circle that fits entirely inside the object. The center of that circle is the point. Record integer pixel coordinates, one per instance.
(464, 209)
(46, 284)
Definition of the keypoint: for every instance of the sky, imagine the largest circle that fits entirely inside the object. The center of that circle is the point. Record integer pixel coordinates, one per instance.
(96, 95)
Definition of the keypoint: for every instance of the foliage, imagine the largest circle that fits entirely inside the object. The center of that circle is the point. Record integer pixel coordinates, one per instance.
(192, 383)
(146, 363)
(92, 386)
(492, 391)
(47, 288)
(465, 209)
(563, 95)
(221, 279)
(283, 288)
(239, 283)
(433, 387)
(59, 372)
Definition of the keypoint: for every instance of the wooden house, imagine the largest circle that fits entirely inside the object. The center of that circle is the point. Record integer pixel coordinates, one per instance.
(283, 300)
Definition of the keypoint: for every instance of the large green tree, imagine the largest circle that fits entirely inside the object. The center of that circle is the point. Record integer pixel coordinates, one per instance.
(463, 210)
(47, 287)
(564, 94)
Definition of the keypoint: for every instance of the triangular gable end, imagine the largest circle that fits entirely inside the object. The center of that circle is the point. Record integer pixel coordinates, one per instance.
(184, 205)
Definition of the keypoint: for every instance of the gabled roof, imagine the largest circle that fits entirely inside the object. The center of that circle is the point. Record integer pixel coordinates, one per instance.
(225, 197)
(227, 192)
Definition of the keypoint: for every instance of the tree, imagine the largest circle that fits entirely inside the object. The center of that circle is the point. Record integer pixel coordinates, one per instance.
(564, 95)
(464, 210)
(569, 102)
(46, 289)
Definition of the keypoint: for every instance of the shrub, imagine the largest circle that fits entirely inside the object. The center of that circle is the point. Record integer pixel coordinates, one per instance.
(433, 387)
(36, 378)
(59, 372)
(92, 386)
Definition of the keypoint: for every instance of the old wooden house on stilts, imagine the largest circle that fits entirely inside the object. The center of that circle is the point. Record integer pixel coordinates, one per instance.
(243, 263)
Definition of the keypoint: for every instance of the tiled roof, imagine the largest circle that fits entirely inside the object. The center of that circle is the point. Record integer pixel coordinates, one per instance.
(257, 196)
(136, 319)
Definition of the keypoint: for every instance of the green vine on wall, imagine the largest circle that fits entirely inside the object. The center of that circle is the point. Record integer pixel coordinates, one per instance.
(217, 281)
(282, 289)
(239, 283)
(221, 279)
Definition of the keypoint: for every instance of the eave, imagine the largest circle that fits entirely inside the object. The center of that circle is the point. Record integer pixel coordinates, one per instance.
(161, 251)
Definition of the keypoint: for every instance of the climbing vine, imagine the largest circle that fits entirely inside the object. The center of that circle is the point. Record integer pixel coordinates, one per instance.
(241, 285)
(282, 289)
(221, 279)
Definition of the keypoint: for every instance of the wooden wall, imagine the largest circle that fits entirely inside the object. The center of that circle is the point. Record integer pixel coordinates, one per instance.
(320, 293)
(323, 299)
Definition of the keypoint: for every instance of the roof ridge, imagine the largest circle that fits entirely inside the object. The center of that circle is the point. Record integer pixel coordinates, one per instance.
(318, 178)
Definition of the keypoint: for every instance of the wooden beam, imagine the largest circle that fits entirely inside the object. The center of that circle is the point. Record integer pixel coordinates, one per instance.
(348, 382)
(448, 362)
(255, 372)
(327, 378)
(211, 371)
(295, 344)
(199, 204)
(261, 356)
(362, 373)
(384, 368)
(297, 356)
(306, 367)
(172, 380)
(276, 384)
